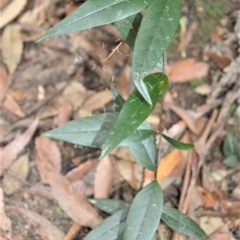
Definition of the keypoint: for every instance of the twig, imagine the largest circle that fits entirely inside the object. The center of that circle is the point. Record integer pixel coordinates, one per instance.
(73, 231)
(113, 51)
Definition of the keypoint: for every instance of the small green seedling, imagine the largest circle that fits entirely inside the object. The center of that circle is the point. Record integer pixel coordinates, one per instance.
(148, 35)
(231, 150)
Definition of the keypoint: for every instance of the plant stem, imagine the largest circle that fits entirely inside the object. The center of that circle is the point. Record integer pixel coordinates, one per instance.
(159, 131)
(158, 137)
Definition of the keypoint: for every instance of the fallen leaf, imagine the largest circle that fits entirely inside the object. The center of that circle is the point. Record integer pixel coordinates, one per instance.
(221, 236)
(11, 11)
(187, 69)
(11, 105)
(16, 175)
(103, 178)
(212, 224)
(31, 16)
(81, 177)
(75, 92)
(64, 113)
(128, 168)
(4, 82)
(12, 46)
(187, 38)
(72, 202)
(97, 100)
(203, 89)
(6, 223)
(42, 226)
(48, 158)
(208, 200)
(221, 61)
(167, 164)
(78, 172)
(9, 153)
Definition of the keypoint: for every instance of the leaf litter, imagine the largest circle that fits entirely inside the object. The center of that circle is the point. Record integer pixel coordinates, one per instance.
(87, 81)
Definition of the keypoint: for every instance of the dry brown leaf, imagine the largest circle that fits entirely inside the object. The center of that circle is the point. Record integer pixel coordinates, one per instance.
(98, 100)
(128, 168)
(64, 113)
(4, 82)
(212, 224)
(103, 178)
(31, 16)
(72, 202)
(6, 223)
(221, 61)
(43, 227)
(11, 11)
(187, 69)
(75, 92)
(11, 105)
(16, 175)
(48, 158)
(221, 236)
(208, 200)
(9, 153)
(167, 164)
(12, 46)
(131, 172)
(78, 172)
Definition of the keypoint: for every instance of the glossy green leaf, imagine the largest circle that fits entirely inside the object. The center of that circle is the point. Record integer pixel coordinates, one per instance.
(95, 13)
(128, 27)
(157, 29)
(111, 228)
(93, 131)
(231, 161)
(144, 152)
(144, 213)
(109, 206)
(178, 144)
(181, 223)
(135, 111)
(118, 100)
(231, 145)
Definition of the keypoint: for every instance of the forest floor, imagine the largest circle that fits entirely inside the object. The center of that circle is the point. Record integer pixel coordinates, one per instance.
(45, 85)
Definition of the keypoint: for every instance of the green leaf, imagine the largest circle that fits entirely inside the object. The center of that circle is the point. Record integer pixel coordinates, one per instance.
(135, 111)
(178, 144)
(157, 29)
(93, 131)
(231, 145)
(182, 223)
(109, 206)
(231, 161)
(144, 213)
(118, 100)
(95, 13)
(111, 228)
(144, 152)
(128, 27)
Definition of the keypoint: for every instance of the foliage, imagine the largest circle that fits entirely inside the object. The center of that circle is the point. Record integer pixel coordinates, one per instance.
(231, 149)
(149, 36)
